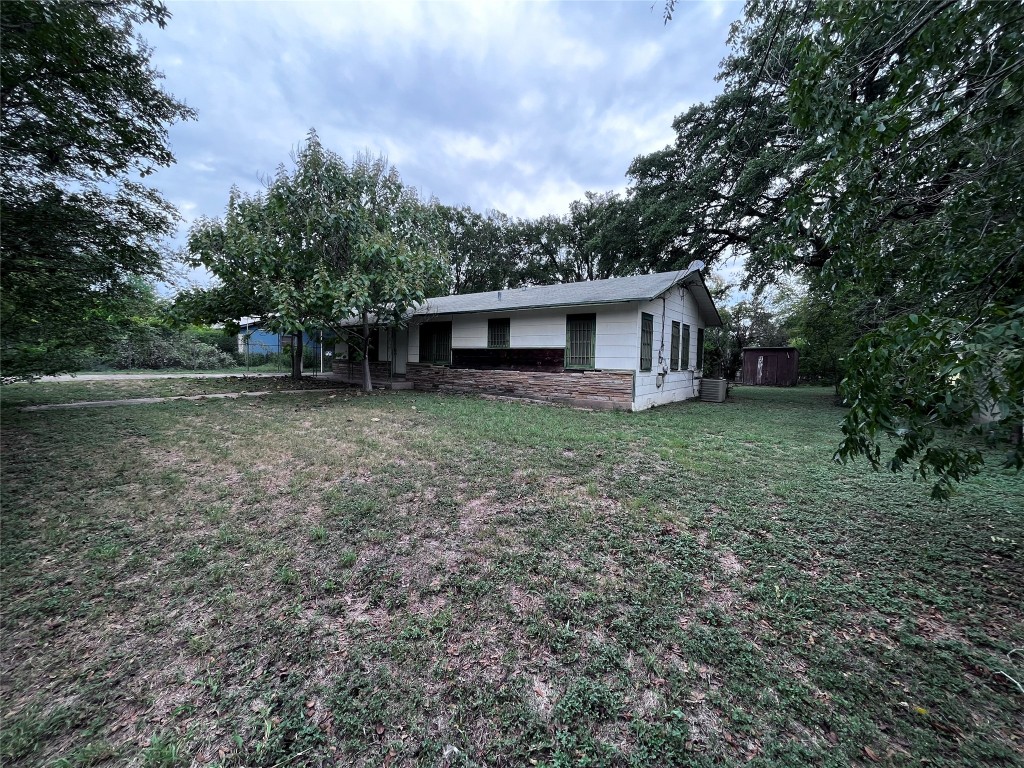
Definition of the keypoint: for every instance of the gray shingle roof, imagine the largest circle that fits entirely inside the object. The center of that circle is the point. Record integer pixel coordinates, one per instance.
(611, 291)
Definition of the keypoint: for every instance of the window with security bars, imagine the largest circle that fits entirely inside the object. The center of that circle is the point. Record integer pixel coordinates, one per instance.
(580, 336)
(646, 341)
(700, 349)
(436, 343)
(674, 354)
(684, 347)
(499, 333)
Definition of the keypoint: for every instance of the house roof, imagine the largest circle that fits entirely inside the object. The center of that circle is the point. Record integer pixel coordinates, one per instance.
(611, 291)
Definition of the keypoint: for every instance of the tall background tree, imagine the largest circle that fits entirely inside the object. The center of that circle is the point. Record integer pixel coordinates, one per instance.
(82, 120)
(487, 252)
(722, 188)
(325, 244)
(482, 254)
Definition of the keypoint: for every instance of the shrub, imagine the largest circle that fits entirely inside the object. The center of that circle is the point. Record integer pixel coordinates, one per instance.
(156, 348)
(215, 337)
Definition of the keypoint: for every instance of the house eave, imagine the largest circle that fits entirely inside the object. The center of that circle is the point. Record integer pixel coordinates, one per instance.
(421, 313)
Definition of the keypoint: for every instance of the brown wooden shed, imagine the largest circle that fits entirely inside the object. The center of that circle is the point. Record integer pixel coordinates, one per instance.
(770, 366)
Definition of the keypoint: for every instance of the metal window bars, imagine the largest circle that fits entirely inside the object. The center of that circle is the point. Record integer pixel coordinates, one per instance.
(580, 337)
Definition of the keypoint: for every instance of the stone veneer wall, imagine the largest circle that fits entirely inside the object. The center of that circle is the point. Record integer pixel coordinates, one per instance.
(352, 372)
(607, 390)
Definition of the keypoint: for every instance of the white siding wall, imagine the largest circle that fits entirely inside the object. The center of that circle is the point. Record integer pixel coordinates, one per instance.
(680, 306)
(618, 337)
(618, 340)
(545, 329)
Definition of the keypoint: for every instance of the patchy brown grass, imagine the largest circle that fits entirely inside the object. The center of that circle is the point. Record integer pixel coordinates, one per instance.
(358, 581)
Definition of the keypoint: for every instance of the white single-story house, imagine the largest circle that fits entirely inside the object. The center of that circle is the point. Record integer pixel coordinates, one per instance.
(624, 343)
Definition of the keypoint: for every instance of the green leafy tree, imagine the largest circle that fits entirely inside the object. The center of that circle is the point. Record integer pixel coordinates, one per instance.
(601, 236)
(723, 187)
(544, 247)
(325, 244)
(487, 252)
(878, 145)
(594, 241)
(482, 252)
(138, 335)
(825, 324)
(922, 109)
(82, 119)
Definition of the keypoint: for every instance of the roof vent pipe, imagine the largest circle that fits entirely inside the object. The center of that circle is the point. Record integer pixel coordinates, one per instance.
(499, 295)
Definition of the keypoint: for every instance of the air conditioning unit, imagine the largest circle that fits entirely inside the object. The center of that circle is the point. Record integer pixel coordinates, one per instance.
(713, 390)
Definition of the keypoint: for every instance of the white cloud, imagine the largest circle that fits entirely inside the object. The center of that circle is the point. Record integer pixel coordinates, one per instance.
(466, 147)
(523, 35)
(637, 133)
(717, 8)
(531, 101)
(525, 168)
(189, 211)
(516, 106)
(642, 58)
(549, 196)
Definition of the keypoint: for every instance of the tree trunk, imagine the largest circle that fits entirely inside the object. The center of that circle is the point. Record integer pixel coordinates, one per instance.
(367, 384)
(297, 358)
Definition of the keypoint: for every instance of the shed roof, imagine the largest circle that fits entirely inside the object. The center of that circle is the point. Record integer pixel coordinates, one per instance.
(614, 290)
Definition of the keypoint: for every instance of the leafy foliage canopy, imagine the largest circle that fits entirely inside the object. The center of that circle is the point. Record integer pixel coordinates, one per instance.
(82, 120)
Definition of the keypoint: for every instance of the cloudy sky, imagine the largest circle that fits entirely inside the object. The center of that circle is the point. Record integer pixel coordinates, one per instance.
(519, 107)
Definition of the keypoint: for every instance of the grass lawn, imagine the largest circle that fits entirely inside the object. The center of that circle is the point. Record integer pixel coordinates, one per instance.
(39, 393)
(281, 366)
(405, 579)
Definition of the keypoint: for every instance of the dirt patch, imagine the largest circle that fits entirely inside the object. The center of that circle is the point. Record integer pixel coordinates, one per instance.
(558, 484)
(357, 610)
(475, 513)
(169, 459)
(729, 563)
(616, 735)
(541, 697)
(720, 596)
(523, 603)
(428, 606)
(649, 703)
(705, 722)
(934, 627)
